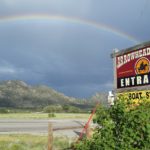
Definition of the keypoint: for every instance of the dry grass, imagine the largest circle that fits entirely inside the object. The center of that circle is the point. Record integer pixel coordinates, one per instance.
(31, 142)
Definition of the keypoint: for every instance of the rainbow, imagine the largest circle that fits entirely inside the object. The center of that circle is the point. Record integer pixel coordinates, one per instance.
(74, 20)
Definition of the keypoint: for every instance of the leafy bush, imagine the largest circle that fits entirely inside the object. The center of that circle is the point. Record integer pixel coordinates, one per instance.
(51, 115)
(52, 109)
(59, 108)
(71, 109)
(4, 111)
(122, 127)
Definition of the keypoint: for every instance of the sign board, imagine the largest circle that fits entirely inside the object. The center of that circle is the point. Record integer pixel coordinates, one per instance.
(135, 96)
(133, 68)
(132, 72)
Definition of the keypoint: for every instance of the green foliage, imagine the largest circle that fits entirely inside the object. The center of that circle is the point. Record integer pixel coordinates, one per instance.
(59, 108)
(71, 109)
(51, 115)
(121, 127)
(4, 111)
(53, 109)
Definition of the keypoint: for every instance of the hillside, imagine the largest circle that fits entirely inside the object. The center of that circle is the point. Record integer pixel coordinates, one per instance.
(18, 94)
(99, 97)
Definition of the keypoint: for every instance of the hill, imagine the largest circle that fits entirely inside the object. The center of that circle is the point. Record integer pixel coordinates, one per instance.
(18, 94)
(99, 97)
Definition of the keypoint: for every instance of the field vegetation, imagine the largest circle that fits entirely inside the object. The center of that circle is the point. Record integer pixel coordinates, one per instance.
(31, 142)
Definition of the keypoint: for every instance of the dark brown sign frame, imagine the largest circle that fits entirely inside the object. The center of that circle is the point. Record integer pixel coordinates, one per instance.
(132, 68)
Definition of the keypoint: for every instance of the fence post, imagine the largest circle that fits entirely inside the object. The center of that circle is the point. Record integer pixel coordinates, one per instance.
(50, 136)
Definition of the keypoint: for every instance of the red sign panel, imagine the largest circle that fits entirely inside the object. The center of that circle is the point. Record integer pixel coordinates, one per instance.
(133, 68)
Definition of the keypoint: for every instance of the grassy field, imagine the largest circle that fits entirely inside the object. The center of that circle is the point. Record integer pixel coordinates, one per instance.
(43, 116)
(31, 142)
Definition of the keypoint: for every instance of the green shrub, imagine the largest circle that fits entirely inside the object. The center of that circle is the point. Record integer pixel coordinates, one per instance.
(51, 115)
(4, 111)
(71, 109)
(121, 127)
(52, 108)
(59, 108)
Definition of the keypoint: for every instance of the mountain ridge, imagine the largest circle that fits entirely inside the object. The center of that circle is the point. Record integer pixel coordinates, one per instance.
(18, 94)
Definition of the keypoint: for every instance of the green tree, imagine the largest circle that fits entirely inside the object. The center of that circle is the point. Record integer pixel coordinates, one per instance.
(121, 127)
(52, 108)
(71, 109)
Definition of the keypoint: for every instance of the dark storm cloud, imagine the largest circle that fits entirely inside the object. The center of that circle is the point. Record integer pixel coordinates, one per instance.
(72, 58)
(67, 7)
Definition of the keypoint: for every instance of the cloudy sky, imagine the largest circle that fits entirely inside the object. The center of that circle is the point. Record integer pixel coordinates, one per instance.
(66, 44)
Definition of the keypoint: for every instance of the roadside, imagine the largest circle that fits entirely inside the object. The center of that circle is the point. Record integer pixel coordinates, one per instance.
(32, 134)
(32, 142)
(39, 115)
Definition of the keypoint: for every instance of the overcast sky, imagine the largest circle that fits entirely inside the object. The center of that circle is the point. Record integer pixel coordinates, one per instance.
(66, 44)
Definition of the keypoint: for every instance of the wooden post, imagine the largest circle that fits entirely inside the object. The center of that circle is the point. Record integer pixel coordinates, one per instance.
(114, 68)
(50, 136)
